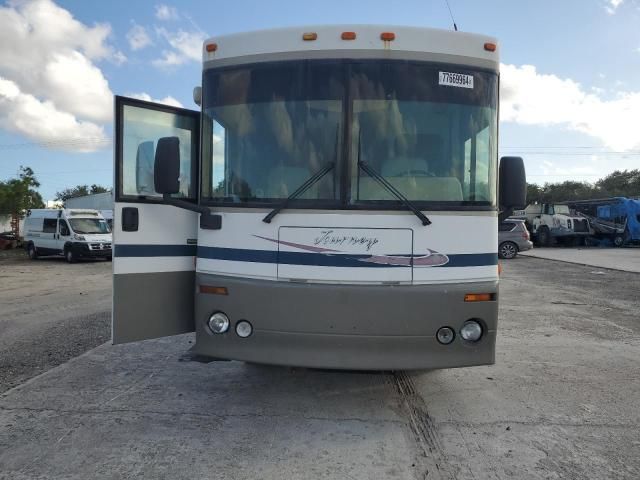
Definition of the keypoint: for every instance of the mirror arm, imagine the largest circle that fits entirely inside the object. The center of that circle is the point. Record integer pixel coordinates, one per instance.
(208, 220)
(504, 214)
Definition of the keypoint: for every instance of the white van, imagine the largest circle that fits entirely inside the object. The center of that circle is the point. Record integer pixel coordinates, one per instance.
(74, 233)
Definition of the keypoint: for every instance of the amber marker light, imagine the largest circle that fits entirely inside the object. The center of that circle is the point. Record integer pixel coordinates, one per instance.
(309, 36)
(479, 297)
(213, 290)
(348, 36)
(387, 36)
(211, 47)
(490, 47)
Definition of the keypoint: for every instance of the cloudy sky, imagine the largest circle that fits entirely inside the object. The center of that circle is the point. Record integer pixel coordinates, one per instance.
(570, 75)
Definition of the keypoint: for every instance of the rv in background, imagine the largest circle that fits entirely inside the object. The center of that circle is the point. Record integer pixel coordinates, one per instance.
(553, 222)
(103, 202)
(74, 233)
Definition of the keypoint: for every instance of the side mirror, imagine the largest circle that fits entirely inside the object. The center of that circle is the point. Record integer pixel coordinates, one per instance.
(144, 169)
(167, 166)
(197, 96)
(513, 183)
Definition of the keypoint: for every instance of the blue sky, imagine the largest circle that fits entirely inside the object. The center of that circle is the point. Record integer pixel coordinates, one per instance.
(571, 73)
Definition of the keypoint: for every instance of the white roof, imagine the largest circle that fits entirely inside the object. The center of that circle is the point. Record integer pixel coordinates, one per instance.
(368, 41)
(67, 212)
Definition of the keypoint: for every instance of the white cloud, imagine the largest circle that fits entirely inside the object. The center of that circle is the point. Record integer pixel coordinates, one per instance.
(165, 12)
(48, 59)
(532, 98)
(168, 100)
(42, 122)
(612, 6)
(138, 37)
(185, 47)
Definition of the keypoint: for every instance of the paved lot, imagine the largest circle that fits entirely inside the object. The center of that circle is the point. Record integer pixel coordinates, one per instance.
(626, 259)
(563, 401)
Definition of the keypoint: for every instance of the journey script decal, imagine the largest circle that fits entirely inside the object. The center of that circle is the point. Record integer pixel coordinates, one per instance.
(430, 259)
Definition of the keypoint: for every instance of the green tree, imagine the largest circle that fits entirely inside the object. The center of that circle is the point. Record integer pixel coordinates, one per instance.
(624, 183)
(79, 191)
(17, 195)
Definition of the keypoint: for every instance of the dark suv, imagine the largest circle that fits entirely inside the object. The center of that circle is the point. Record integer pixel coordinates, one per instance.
(513, 237)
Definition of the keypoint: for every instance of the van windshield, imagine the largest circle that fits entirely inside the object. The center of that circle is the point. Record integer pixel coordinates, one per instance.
(89, 225)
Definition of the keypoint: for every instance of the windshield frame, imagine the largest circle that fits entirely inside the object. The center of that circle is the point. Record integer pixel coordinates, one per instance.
(343, 167)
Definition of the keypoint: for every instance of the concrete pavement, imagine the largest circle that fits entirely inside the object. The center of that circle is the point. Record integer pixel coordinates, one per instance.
(626, 259)
(562, 401)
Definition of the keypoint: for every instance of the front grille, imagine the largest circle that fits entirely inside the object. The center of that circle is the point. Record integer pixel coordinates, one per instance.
(580, 226)
(99, 246)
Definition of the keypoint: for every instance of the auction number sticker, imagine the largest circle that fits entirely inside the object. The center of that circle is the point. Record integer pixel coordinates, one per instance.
(456, 80)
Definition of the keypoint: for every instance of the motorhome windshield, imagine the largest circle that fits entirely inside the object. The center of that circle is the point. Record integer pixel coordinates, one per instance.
(89, 225)
(429, 130)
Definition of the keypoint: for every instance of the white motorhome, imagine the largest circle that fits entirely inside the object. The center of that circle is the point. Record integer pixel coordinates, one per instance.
(74, 233)
(334, 203)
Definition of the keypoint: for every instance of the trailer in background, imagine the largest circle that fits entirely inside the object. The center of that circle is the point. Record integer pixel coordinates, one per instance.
(615, 218)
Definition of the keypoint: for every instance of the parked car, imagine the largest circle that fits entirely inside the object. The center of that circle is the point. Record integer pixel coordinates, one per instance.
(513, 237)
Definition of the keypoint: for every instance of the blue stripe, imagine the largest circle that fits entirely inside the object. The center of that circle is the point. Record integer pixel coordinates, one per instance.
(154, 251)
(329, 260)
(288, 258)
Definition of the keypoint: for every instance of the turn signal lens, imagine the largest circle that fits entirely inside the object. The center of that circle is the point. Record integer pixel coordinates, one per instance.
(213, 290)
(479, 297)
(211, 47)
(309, 36)
(387, 36)
(490, 47)
(348, 35)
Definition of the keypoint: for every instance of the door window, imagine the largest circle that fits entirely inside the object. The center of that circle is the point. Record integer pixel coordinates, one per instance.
(142, 126)
(64, 229)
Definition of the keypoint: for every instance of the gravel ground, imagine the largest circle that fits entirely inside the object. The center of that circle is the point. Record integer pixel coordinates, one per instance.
(50, 312)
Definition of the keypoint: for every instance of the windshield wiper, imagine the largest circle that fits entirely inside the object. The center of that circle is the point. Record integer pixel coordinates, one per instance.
(394, 191)
(299, 191)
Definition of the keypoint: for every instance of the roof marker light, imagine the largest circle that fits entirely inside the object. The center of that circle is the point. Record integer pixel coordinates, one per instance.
(309, 36)
(211, 47)
(348, 35)
(490, 47)
(387, 36)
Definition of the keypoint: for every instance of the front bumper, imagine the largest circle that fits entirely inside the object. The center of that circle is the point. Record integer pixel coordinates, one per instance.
(361, 327)
(92, 250)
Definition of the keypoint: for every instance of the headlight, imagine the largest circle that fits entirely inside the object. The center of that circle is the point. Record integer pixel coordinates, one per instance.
(78, 237)
(471, 331)
(218, 322)
(244, 329)
(445, 335)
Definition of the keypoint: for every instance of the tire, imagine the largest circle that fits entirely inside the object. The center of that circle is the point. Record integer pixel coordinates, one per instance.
(618, 240)
(69, 256)
(31, 251)
(544, 237)
(507, 250)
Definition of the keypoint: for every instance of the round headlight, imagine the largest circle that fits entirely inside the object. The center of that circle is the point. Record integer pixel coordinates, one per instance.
(471, 331)
(445, 335)
(243, 329)
(218, 322)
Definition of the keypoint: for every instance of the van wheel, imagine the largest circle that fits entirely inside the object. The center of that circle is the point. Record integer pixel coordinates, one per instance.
(618, 240)
(31, 251)
(70, 256)
(507, 250)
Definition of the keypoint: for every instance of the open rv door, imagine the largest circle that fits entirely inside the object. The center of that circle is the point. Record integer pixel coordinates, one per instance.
(154, 243)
